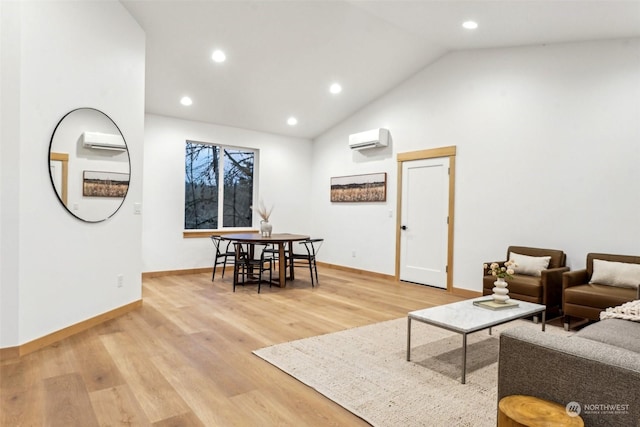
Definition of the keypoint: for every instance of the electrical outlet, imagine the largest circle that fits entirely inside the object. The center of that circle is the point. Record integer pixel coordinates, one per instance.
(120, 280)
(353, 254)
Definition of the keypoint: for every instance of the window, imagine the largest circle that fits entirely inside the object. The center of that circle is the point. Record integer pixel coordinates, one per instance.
(218, 186)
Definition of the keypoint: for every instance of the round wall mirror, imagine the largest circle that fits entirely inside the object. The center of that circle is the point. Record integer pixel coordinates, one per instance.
(89, 164)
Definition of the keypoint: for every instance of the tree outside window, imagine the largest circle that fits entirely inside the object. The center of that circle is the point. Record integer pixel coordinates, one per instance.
(218, 186)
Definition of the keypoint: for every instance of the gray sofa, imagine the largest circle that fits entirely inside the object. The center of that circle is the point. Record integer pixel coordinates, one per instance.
(598, 367)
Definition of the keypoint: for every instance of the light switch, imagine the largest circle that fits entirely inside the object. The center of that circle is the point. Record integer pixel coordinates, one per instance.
(137, 208)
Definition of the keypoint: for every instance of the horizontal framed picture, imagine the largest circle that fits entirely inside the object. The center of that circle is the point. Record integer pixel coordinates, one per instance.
(104, 184)
(359, 188)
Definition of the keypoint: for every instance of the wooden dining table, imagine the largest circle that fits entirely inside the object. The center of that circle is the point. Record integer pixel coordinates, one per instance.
(281, 240)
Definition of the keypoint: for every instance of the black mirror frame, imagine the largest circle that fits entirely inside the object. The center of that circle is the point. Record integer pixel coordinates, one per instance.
(51, 177)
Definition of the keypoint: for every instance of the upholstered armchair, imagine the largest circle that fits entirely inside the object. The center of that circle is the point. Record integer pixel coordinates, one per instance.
(537, 278)
(607, 281)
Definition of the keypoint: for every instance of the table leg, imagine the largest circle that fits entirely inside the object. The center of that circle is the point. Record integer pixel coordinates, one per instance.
(408, 338)
(464, 358)
(236, 267)
(291, 270)
(252, 253)
(282, 266)
(544, 319)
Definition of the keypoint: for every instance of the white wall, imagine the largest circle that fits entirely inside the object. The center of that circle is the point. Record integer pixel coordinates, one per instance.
(9, 153)
(61, 270)
(548, 154)
(283, 176)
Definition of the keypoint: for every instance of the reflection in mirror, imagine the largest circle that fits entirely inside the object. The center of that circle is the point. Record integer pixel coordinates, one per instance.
(89, 164)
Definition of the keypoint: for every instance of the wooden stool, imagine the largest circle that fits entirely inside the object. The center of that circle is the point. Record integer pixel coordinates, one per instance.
(518, 410)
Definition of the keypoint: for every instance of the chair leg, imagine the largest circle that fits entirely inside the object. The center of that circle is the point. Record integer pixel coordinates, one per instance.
(224, 266)
(315, 268)
(238, 270)
(262, 264)
(311, 272)
(215, 263)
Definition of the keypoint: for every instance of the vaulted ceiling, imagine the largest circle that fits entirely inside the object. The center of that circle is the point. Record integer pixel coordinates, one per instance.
(282, 56)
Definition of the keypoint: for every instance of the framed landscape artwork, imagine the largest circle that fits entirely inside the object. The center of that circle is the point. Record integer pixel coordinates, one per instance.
(104, 184)
(359, 188)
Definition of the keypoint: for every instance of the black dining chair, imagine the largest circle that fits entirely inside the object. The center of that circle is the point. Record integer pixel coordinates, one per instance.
(307, 258)
(223, 253)
(245, 265)
(271, 251)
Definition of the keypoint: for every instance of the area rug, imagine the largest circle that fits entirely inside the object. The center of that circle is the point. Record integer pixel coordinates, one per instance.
(365, 370)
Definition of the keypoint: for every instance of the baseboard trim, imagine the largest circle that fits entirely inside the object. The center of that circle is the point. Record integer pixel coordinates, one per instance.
(29, 347)
(9, 353)
(357, 271)
(466, 293)
(38, 343)
(152, 274)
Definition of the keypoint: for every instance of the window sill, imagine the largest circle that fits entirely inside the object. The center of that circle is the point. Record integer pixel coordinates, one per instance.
(199, 234)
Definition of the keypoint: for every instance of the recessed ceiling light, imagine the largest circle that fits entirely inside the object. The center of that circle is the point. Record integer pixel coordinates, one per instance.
(292, 121)
(470, 25)
(185, 100)
(335, 88)
(218, 56)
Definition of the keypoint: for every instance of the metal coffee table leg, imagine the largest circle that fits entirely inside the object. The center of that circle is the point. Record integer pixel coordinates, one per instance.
(464, 358)
(408, 338)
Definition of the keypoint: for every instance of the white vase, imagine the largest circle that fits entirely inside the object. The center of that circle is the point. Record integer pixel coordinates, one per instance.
(265, 228)
(500, 291)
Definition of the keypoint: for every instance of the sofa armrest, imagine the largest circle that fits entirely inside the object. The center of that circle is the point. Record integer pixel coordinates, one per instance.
(570, 369)
(552, 285)
(574, 278)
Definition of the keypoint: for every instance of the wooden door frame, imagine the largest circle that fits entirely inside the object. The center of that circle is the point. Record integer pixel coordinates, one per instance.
(64, 159)
(432, 153)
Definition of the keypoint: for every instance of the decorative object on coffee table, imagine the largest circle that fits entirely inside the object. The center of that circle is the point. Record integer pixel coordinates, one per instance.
(494, 305)
(500, 291)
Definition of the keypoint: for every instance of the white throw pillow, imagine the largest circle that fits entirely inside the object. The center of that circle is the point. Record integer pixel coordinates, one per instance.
(621, 274)
(529, 265)
(627, 311)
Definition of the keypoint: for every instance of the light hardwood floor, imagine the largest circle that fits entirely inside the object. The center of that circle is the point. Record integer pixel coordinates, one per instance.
(184, 358)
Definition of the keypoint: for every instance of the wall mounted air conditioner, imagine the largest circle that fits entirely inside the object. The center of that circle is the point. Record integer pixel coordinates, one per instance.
(369, 139)
(103, 141)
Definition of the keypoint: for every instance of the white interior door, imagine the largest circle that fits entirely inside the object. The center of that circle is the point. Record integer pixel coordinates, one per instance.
(424, 234)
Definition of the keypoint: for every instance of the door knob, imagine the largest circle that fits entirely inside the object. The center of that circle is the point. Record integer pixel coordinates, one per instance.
(404, 227)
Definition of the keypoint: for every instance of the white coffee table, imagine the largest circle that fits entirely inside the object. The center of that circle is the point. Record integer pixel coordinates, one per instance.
(464, 318)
